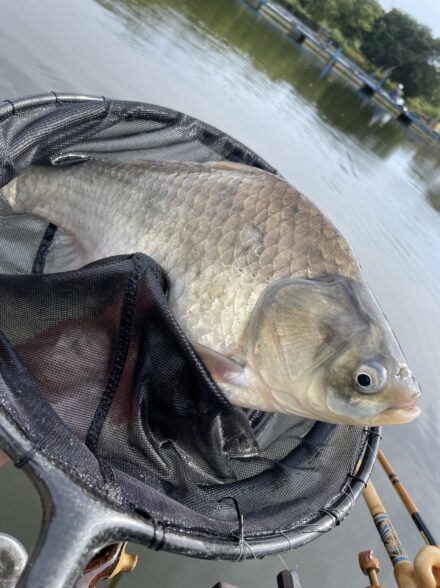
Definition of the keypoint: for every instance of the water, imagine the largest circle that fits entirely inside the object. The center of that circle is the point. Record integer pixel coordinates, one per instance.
(380, 185)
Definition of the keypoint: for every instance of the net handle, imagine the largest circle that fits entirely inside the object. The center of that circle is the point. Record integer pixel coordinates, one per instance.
(76, 525)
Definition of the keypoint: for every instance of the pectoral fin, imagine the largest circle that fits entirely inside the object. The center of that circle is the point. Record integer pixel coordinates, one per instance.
(223, 369)
(238, 382)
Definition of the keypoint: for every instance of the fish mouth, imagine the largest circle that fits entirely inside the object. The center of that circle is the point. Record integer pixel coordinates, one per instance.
(407, 406)
(400, 413)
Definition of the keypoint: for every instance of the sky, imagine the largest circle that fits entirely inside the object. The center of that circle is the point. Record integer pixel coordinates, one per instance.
(425, 11)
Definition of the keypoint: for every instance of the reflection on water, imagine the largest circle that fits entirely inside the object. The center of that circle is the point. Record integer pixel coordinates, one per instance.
(426, 168)
(238, 34)
(379, 184)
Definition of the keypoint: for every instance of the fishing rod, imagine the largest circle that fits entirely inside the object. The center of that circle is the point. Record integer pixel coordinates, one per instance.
(370, 567)
(425, 572)
(406, 499)
(110, 563)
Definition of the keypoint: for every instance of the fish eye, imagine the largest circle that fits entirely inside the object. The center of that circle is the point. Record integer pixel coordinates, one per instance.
(370, 378)
(363, 380)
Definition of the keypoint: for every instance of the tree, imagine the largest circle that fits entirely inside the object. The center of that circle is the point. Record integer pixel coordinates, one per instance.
(397, 39)
(356, 18)
(400, 43)
(419, 79)
(322, 10)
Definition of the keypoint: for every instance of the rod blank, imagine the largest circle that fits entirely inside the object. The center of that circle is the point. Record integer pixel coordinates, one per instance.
(406, 499)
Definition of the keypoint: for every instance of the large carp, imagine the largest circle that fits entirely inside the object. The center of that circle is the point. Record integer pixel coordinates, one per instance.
(265, 287)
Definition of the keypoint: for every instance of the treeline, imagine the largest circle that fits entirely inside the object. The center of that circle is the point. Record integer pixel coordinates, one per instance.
(392, 42)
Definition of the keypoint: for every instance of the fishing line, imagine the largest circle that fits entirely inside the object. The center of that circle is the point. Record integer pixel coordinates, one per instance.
(283, 561)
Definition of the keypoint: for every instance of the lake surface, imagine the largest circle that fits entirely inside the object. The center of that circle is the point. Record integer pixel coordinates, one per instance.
(380, 185)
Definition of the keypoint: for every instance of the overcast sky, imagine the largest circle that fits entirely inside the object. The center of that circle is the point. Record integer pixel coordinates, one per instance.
(425, 11)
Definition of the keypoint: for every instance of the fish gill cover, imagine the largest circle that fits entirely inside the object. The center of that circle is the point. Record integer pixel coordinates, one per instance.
(97, 373)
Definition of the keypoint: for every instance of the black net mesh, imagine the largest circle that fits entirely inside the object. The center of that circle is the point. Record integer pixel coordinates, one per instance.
(98, 374)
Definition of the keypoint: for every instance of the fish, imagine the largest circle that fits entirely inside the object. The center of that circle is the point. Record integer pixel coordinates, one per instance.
(264, 286)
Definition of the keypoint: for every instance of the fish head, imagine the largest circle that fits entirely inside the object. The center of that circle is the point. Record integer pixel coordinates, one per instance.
(368, 388)
(324, 350)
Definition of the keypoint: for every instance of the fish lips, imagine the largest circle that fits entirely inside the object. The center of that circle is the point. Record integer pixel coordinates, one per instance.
(397, 416)
(400, 413)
